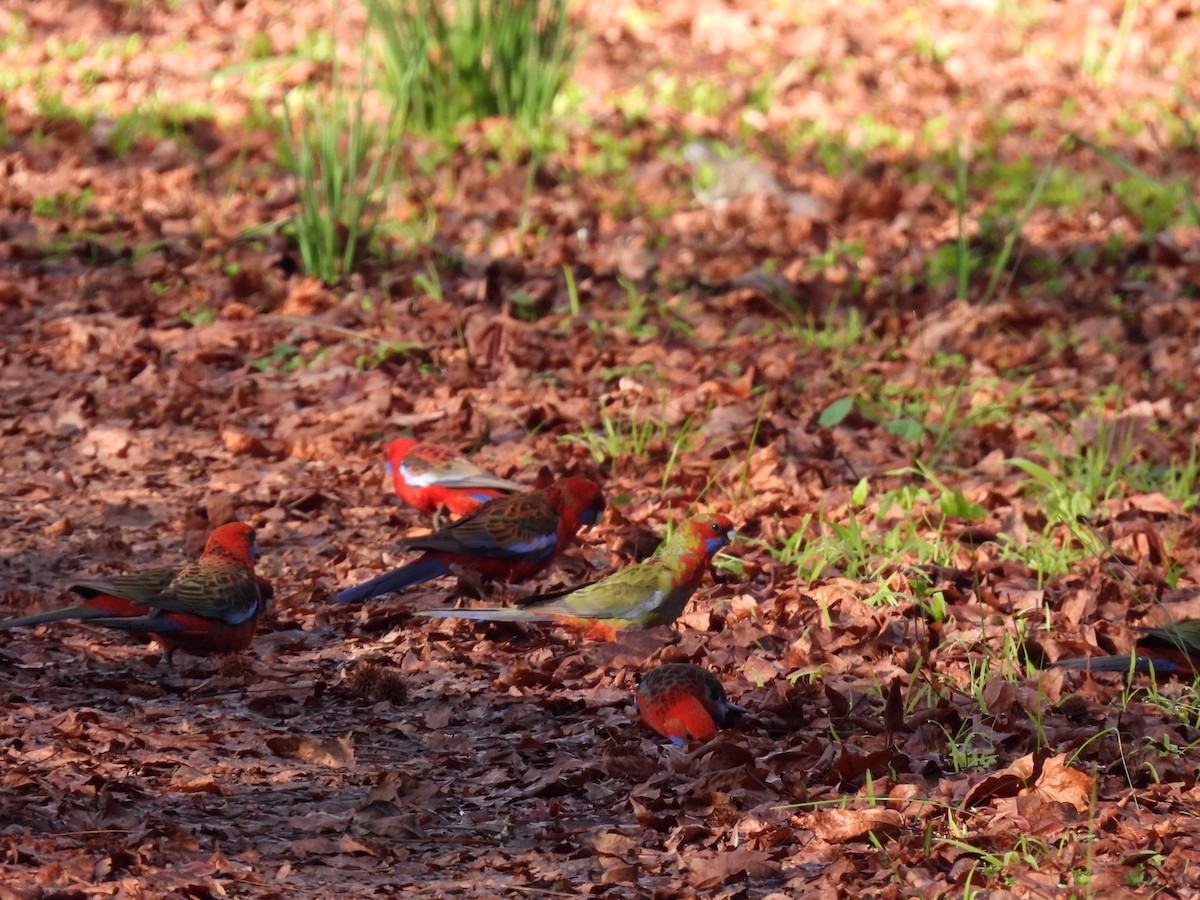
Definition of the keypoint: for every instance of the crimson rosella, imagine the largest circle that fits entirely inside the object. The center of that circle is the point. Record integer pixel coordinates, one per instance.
(653, 592)
(428, 477)
(208, 607)
(512, 538)
(684, 703)
(1171, 649)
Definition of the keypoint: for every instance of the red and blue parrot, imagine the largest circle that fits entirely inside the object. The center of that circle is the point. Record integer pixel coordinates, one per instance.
(211, 606)
(684, 703)
(429, 477)
(511, 539)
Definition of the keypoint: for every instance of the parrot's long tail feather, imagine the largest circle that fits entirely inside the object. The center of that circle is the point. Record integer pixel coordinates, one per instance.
(66, 614)
(415, 572)
(486, 615)
(141, 624)
(1120, 663)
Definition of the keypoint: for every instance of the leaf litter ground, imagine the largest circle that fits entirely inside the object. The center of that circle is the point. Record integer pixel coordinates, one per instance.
(358, 751)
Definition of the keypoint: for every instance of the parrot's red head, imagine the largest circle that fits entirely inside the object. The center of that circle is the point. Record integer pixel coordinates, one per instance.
(398, 449)
(578, 500)
(713, 531)
(235, 540)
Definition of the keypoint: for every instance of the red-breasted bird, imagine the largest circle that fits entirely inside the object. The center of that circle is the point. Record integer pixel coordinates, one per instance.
(653, 592)
(684, 703)
(1172, 649)
(511, 538)
(428, 477)
(208, 607)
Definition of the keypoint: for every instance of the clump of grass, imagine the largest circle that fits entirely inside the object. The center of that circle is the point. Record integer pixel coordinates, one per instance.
(345, 168)
(473, 59)
(968, 257)
(631, 434)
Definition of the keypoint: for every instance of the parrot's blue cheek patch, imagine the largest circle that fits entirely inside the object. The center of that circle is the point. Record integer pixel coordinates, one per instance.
(391, 472)
(712, 545)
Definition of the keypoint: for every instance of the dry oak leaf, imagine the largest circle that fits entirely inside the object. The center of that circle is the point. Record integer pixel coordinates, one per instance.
(1060, 783)
(612, 843)
(838, 826)
(710, 871)
(187, 780)
(1049, 778)
(336, 753)
(242, 443)
(383, 818)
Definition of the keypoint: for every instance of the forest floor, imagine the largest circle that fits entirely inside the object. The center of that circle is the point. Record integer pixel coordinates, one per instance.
(942, 372)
